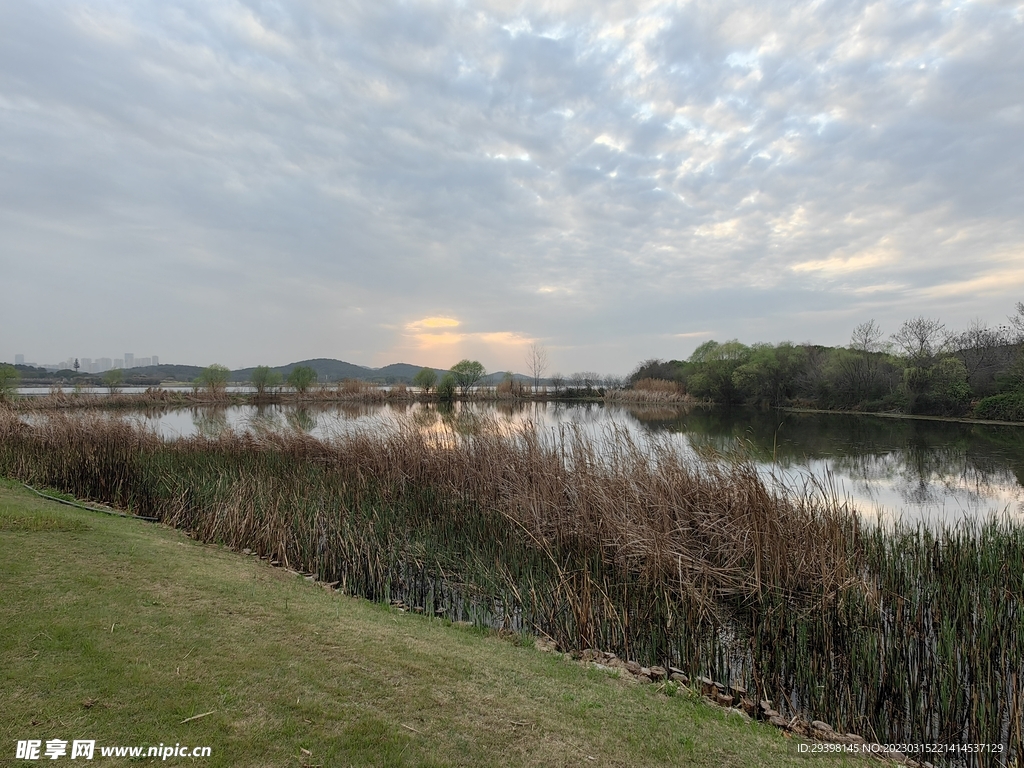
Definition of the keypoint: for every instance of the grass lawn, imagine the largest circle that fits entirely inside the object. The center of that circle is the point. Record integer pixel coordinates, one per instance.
(118, 630)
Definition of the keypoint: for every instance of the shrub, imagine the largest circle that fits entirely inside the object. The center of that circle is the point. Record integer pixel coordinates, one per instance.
(1006, 407)
(8, 381)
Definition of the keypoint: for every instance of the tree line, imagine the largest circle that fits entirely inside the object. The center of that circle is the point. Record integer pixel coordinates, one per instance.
(922, 368)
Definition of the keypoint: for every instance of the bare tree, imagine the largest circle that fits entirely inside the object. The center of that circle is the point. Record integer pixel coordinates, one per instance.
(1017, 323)
(557, 380)
(981, 347)
(867, 337)
(921, 337)
(536, 363)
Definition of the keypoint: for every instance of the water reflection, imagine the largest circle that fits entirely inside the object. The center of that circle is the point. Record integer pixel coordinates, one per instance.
(300, 419)
(265, 419)
(924, 470)
(210, 422)
(917, 469)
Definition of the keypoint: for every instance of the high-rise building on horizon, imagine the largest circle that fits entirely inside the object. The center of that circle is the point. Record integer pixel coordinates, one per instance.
(118, 363)
(129, 359)
(156, 360)
(103, 364)
(19, 359)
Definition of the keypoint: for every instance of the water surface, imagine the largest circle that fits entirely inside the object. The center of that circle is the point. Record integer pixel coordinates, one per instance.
(916, 470)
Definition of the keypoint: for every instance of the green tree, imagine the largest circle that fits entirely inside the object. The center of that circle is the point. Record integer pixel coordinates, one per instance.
(938, 390)
(1013, 378)
(9, 377)
(713, 365)
(263, 378)
(770, 374)
(425, 379)
(446, 388)
(467, 373)
(950, 385)
(302, 378)
(214, 378)
(113, 379)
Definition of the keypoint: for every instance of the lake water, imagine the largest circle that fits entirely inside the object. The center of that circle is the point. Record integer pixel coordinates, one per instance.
(918, 470)
(41, 391)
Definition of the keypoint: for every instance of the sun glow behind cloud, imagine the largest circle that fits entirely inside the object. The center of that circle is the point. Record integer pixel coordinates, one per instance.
(427, 324)
(430, 337)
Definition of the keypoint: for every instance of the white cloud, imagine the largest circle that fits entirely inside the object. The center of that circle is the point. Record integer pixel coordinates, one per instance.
(584, 174)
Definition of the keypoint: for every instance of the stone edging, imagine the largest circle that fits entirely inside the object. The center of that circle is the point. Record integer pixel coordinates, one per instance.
(734, 698)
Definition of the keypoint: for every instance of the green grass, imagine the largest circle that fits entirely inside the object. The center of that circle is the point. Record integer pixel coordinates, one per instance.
(117, 630)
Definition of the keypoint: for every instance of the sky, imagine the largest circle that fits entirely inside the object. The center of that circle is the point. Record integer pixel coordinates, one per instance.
(264, 182)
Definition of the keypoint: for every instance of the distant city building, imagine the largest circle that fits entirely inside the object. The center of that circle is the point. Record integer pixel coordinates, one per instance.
(95, 365)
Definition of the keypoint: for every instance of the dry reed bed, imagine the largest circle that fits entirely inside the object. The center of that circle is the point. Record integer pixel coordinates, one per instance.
(702, 528)
(652, 391)
(900, 635)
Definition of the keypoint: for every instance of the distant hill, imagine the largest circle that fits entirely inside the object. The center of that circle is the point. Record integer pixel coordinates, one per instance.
(186, 373)
(327, 370)
(397, 373)
(403, 372)
(494, 379)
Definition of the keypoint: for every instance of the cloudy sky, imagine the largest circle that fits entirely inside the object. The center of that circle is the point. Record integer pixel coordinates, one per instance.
(262, 182)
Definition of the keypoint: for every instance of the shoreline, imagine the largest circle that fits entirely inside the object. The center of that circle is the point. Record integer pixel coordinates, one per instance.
(186, 397)
(911, 416)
